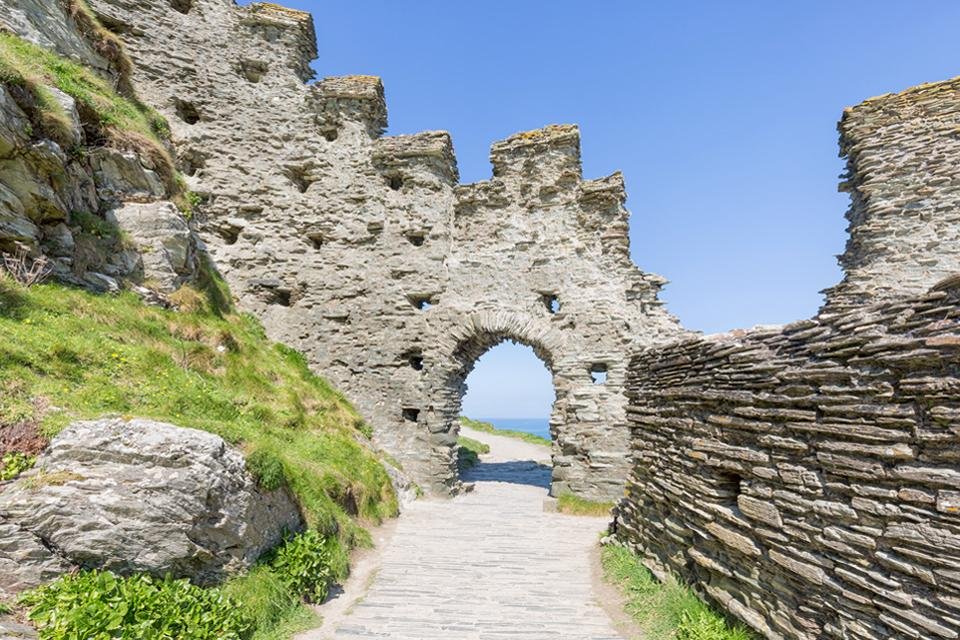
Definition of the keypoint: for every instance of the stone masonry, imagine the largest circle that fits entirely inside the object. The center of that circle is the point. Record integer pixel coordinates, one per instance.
(807, 478)
(904, 183)
(365, 253)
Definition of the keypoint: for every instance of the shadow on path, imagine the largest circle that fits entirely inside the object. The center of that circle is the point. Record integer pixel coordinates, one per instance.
(526, 472)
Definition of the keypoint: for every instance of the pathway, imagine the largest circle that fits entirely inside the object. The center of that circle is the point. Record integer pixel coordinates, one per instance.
(488, 565)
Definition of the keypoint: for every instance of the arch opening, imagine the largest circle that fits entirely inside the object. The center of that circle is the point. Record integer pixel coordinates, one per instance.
(506, 397)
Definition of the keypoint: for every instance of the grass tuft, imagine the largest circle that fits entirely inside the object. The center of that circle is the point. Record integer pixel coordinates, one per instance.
(469, 452)
(665, 610)
(576, 506)
(486, 427)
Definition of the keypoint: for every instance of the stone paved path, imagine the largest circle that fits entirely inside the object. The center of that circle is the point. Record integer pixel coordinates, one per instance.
(489, 565)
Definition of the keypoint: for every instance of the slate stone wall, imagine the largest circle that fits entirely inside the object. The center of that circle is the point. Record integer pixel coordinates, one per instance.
(808, 478)
(904, 184)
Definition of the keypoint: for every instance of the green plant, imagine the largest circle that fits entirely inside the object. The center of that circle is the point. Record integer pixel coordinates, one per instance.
(478, 425)
(267, 468)
(5, 609)
(670, 609)
(305, 564)
(577, 506)
(99, 604)
(94, 225)
(469, 452)
(14, 463)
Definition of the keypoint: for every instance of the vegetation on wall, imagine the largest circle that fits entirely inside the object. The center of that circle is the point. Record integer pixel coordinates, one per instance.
(66, 354)
(666, 610)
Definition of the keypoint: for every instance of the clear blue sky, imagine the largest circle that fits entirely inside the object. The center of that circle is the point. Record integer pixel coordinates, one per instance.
(721, 115)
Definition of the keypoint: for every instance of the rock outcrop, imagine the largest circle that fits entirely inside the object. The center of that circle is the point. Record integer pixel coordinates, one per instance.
(96, 212)
(137, 496)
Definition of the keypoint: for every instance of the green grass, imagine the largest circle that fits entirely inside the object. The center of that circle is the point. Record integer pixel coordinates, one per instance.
(122, 122)
(486, 427)
(66, 354)
(665, 610)
(576, 506)
(469, 452)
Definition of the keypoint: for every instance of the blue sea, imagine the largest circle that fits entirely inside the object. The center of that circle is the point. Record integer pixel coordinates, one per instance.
(536, 426)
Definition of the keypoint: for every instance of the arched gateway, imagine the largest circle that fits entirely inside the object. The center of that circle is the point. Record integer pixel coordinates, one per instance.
(365, 253)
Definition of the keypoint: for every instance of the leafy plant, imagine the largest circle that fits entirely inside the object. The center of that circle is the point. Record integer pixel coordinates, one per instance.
(14, 463)
(99, 604)
(668, 609)
(305, 564)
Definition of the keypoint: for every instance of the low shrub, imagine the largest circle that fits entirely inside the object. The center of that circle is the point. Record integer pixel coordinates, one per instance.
(469, 452)
(305, 565)
(99, 604)
(577, 506)
(13, 464)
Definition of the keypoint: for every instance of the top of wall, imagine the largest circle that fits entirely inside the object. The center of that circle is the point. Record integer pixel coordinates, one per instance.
(904, 186)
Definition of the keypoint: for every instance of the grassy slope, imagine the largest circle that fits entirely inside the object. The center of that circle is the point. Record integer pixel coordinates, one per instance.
(66, 354)
(469, 452)
(486, 427)
(665, 610)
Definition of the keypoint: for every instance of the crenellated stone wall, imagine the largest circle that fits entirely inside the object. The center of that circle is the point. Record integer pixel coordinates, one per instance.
(365, 253)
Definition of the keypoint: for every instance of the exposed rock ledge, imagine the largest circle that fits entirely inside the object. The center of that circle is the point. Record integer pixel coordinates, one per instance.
(137, 495)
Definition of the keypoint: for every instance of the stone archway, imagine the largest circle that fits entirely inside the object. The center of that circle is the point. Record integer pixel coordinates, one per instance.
(476, 336)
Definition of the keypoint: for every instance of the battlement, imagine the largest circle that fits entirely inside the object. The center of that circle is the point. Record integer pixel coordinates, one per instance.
(350, 98)
(554, 148)
(301, 38)
(609, 191)
(434, 148)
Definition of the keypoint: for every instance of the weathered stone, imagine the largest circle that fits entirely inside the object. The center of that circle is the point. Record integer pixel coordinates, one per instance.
(165, 243)
(138, 495)
(324, 227)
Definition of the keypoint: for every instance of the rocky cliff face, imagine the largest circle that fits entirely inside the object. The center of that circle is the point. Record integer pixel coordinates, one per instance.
(365, 253)
(90, 199)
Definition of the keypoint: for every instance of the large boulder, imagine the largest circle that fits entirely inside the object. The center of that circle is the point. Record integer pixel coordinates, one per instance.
(138, 495)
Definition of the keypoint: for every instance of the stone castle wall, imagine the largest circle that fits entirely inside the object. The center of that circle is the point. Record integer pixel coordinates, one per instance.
(807, 478)
(365, 253)
(904, 183)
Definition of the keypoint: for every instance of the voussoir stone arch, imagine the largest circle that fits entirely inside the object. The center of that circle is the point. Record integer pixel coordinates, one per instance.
(366, 253)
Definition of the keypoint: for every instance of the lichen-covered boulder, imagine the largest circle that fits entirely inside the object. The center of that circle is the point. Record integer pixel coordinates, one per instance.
(138, 495)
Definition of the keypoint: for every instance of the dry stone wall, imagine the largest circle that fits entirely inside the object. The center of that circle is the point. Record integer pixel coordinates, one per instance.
(904, 183)
(807, 478)
(365, 253)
